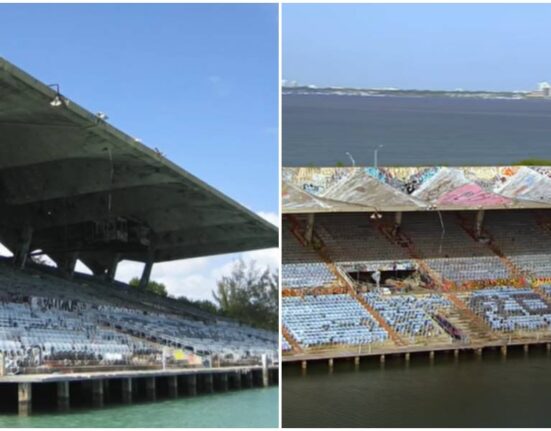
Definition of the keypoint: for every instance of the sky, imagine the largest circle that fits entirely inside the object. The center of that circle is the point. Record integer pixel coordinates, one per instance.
(198, 82)
(418, 46)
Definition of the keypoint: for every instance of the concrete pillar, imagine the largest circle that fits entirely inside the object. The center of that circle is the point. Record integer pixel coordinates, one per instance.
(97, 392)
(548, 347)
(223, 382)
(304, 365)
(407, 357)
(208, 385)
(237, 380)
(479, 222)
(146, 274)
(526, 348)
(265, 371)
(126, 388)
(63, 397)
(150, 388)
(309, 228)
(456, 353)
(397, 222)
(478, 351)
(382, 359)
(173, 386)
(20, 258)
(503, 350)
(249, 379)
(330, 363)
(191, 384)
(24, 398)
(112, 270)
(357, 360)
(431, 356)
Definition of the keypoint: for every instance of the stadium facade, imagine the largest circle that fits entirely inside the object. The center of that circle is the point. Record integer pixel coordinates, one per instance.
(382, 261)
(73, 187)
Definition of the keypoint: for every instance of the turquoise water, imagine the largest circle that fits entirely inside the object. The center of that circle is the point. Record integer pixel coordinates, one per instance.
(247, 408)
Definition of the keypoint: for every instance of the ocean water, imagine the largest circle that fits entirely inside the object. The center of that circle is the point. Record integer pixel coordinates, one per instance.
(246, 408)
(319, 129)
(469, 392)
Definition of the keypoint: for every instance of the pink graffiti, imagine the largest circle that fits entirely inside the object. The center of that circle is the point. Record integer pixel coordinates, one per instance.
(471, 194)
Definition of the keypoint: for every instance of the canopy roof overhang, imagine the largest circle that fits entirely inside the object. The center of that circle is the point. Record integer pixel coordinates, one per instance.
(395, 189)
(63, 168)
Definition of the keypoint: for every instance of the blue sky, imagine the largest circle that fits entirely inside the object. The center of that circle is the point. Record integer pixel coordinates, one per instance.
(424, 46)
(199, 82)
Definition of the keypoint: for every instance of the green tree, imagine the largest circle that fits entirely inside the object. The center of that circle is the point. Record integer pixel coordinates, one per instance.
(152, 286)
(249, 295)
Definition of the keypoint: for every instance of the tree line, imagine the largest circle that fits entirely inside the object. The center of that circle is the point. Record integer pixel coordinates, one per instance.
(248, 294)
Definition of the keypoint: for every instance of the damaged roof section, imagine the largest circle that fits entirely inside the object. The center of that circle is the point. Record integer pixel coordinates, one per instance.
(415, 188)
(68, 174)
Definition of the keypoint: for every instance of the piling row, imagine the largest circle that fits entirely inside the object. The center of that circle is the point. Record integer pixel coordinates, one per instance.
(97, 390)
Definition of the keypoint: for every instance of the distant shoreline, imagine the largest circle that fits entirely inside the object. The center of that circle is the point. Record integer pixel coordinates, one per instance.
(375, 92)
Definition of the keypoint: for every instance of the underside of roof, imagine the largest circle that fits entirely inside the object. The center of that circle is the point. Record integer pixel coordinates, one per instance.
(84, 186)
(356, 189)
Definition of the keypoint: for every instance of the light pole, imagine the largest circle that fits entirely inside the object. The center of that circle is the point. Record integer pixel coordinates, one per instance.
(375, 155)
(351, 159)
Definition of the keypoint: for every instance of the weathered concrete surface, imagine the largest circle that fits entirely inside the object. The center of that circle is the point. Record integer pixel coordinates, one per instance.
(313, 190)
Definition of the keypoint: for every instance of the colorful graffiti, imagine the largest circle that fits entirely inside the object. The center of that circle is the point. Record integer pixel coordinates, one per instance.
(415, 188)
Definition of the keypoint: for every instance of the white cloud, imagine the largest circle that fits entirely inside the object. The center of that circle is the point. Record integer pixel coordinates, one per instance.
(270, 216)
(4, 251)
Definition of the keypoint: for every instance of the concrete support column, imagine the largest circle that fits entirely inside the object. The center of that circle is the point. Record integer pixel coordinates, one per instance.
(407, 357)
(526, 348)
(97, 392)
(208, 384)
(478, 352)
(503, 350)
(249, 379)
(237, 380)
(456, 353)
(479, 223)
(173, 386)
(382, 359)
(304, 365)
(63, 397)
(191, 383)
(397, 222)
(330, 363)
(431, 356)
(150, 388)
(126, 388)
(265, 371)
(357, 360)
(224, 382)
(24, 398)
(548, 347)
(20, 258)
(146, 274)
(112, 270)
(309, 228)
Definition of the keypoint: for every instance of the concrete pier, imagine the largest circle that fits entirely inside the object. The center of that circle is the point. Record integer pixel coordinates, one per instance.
(191, 385)
(356, 360)
(304, 365)
(526, 348)
(150, 388)
(126, 390)
(503, 350)
(407, 357)
(172, 386)
(102, 388)
(382, 359)
(236, 380)
(97, 393)
(208, 386)
(24, 398)
(63, 397)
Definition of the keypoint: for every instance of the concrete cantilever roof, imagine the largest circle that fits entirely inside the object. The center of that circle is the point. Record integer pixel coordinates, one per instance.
(62, 167)
(351, 189)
